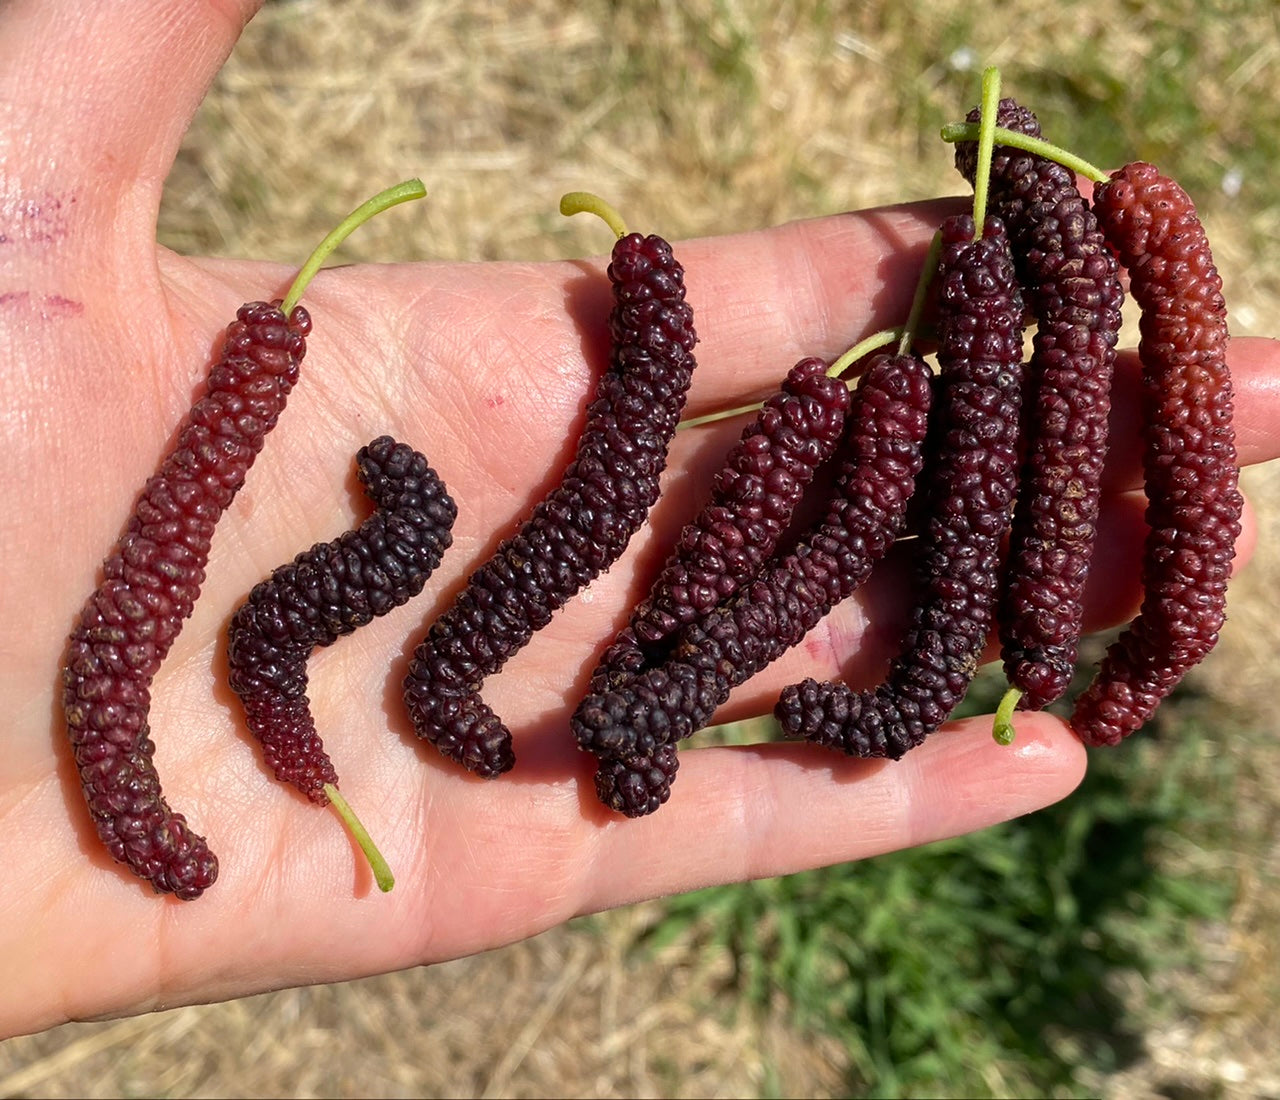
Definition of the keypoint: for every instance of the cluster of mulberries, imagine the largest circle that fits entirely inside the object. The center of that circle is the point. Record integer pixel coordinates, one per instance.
(327, 592)
(992, 466)
(755, 493)
(151, 582)
(580, 528)
(633, 727)
(1009, 490)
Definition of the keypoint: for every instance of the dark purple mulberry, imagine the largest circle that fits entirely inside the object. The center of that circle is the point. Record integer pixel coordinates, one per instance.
(633, 730)
(637, 784)
(1070, 281)
(329, 591)
(969, 486)
(581, 528)
(753, 497)
(1190, 464)
(152, 580)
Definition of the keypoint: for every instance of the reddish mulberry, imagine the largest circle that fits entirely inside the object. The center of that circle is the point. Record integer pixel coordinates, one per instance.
(1193, 499)
(327, 592)
(151, 583)
(581, 528)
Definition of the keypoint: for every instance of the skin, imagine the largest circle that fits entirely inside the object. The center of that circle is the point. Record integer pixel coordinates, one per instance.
(104, 340)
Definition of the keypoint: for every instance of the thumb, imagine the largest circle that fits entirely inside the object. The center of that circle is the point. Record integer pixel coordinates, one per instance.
(96, 96)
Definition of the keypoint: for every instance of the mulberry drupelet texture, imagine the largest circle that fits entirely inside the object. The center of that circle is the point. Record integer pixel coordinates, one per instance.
(330, 591)
(969, 484)
(755, 492)
(1190, 463)
(152, 580)
(1070, 281)
(580, 528)
(633, 730)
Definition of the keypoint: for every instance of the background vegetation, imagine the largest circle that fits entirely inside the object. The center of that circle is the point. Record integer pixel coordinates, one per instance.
(1123, 943)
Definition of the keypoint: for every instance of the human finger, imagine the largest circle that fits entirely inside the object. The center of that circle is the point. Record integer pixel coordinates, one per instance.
(748, 812)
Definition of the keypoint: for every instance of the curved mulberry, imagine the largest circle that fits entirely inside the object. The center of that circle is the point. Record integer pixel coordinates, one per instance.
(580, 528)
(330, 591)
(633, 729)
(151, 582)
(1070, 281)
(753, 497)
(969, 485)
(1192, 472)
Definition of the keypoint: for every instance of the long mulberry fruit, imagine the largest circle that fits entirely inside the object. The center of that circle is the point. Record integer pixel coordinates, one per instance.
(153, 577)
(1070, 281)
(582, 526)
(327, 592)
(755, 492)
(969, 486)
(633, 730)
(151, 583)
(1190, 463)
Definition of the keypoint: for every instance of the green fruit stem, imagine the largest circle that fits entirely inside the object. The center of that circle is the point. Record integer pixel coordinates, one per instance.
(381, 872)
(721, 414)
(584, 202)
(968, 131)
(921, 295)
(986, 143)
(859, 351)
(1002, 728)
(392, 196)
(862, 349)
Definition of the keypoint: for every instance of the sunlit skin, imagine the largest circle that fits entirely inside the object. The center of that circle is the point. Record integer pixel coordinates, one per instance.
(104, 340)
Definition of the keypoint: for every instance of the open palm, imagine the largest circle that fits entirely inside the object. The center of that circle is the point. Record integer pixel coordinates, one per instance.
(105, 339)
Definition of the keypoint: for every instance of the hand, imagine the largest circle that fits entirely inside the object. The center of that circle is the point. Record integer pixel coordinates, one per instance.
(486, 368)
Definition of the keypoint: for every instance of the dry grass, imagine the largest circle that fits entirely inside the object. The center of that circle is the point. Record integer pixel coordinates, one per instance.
(563, 1014)
(695, 119)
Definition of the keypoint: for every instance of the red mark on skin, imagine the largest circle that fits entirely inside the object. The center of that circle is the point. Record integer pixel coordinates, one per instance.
(55, 305)
(494, 401)
(47, 307)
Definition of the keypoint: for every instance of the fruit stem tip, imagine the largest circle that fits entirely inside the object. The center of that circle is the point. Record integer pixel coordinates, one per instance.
(381, 872)
(402, 192)
(584, 202)
(1002, 728)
